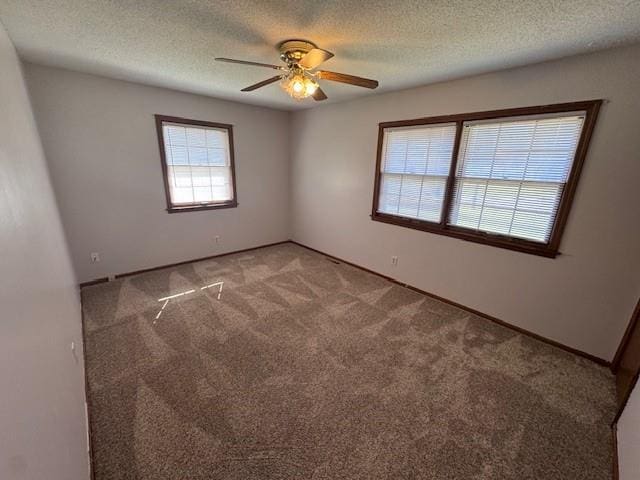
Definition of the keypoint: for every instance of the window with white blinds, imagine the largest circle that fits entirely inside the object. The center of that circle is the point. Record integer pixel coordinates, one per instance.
(198, 165)
(511, 173)
(414, 170)
(504, 178)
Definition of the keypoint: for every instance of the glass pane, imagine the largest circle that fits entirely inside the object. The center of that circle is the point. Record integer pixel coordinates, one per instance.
(389, 193)
(182, 176)
(511, 174)
(217, 138)
(196, 137)
(198, 156)
(418, 150)
(201, 176)
(181, 195)
(177, 155)
(468, 201)
(175, 135)
(217, 156)
(395, 153)
(197, 164)
(532, 225)
(503, 195)
(391, 184)
(221, 193)
(539, 197)
(532, 149)
(410, 196)
(202, 194)
(220, 175)
(431, 199)
(504, 207)
(496, 220)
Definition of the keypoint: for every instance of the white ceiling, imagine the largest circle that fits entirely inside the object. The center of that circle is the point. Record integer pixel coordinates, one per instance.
(401, 43)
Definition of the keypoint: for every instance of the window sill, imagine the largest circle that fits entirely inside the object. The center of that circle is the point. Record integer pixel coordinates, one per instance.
(196, 208)
(500, 241)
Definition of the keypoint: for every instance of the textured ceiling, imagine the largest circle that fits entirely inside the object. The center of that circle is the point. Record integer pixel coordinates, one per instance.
(401, 43)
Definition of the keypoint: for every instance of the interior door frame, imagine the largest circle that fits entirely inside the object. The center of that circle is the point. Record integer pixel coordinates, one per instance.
(632, 328)
(635, 318)
(615, 367)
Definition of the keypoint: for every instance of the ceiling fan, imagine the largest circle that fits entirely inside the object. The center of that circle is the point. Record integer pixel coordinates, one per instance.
(299, 78)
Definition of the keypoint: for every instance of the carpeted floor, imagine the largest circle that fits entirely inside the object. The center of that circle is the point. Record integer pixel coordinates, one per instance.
(308, 369)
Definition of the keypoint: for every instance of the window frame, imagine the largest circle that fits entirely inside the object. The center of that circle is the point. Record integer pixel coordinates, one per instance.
(171, 208)
(549, 249)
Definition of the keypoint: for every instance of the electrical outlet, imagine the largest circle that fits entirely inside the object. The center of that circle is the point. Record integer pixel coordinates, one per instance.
(217, 238)
(394, 260)
(95, 257)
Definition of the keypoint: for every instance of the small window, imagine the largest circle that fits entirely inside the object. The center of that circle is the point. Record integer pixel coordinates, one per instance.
(505, 178)
(197, 164)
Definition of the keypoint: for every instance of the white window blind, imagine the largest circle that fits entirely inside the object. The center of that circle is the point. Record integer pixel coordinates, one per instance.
(511, 174)
(414, 169)
(198, 164)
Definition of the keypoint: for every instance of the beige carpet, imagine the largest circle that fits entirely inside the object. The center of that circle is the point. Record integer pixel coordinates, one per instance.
(308, 369)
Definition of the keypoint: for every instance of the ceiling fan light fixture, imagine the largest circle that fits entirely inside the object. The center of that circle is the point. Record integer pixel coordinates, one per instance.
(299, 84)
(310, 87)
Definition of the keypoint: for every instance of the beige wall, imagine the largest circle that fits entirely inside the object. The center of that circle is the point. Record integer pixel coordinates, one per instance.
(42, 414)
(629, 438)
(583, 298)
(101, 145)
(102, 150)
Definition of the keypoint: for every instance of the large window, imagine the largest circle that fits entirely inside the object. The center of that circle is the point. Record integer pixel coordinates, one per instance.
(197, 164)
(504, 178)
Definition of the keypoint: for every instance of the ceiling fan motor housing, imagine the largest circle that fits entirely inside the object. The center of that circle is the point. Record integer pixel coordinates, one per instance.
(292, 51)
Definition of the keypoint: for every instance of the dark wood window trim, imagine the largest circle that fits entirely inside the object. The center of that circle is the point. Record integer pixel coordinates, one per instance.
(171, 208)
(550, 249)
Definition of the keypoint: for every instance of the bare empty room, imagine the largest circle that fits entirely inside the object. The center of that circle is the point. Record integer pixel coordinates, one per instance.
(299, 240)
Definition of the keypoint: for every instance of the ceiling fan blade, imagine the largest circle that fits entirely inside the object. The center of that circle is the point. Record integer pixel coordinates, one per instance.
(350, 79)
(263, 83)
(315, 57)
(255, 64)
(319, 95)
